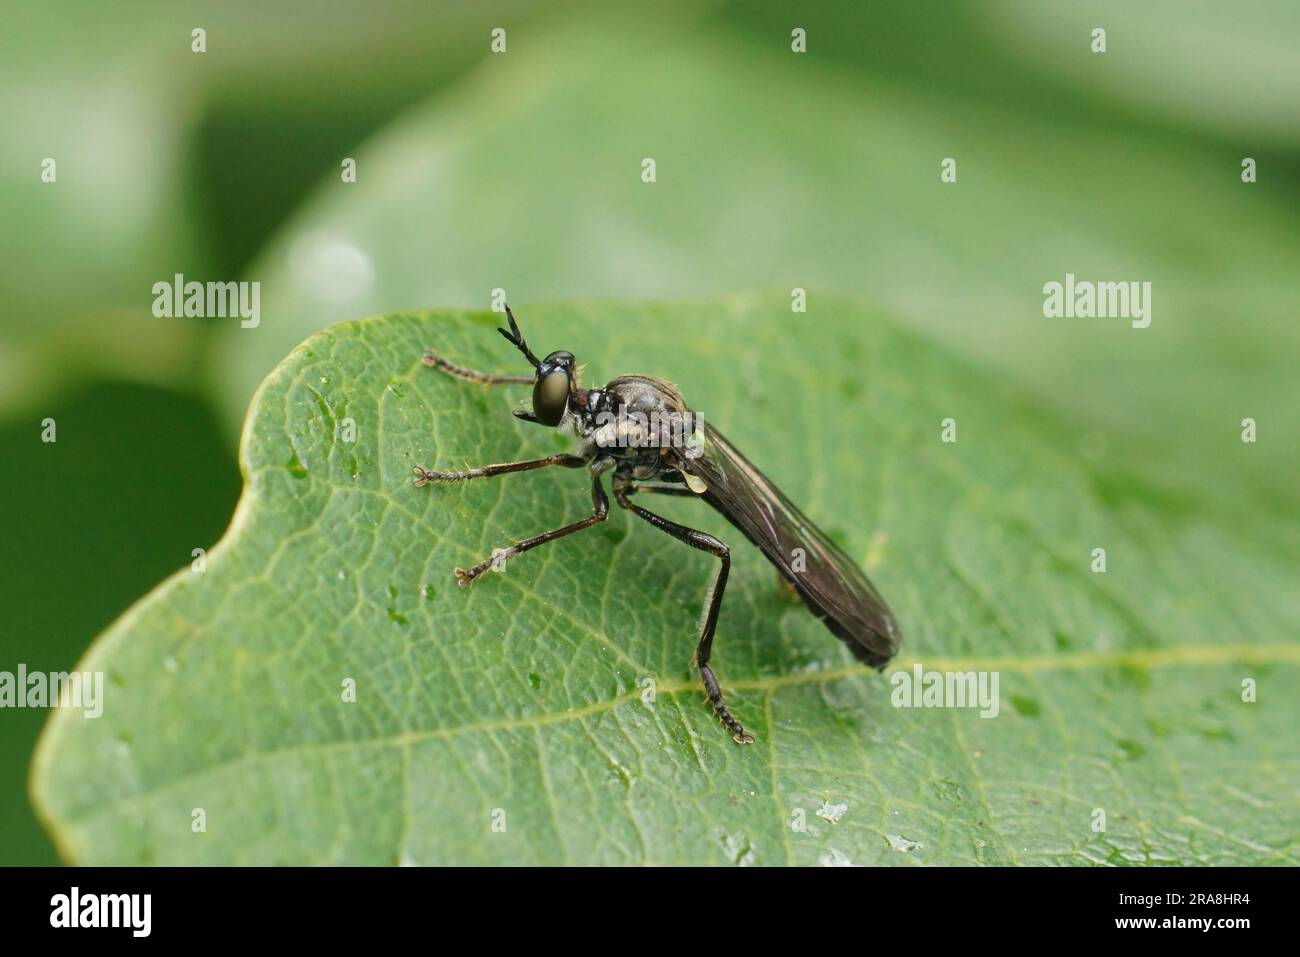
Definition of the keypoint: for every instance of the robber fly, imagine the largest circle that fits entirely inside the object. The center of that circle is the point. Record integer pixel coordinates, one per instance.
(613, 425)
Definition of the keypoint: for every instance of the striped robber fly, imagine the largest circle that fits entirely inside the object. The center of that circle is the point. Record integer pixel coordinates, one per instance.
(640, 429)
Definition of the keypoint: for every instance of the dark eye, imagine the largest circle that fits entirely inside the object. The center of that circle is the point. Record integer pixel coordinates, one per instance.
(551, 396)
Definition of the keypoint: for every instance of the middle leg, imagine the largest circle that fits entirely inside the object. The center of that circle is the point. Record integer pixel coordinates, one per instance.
(599, 510)
(435, 361)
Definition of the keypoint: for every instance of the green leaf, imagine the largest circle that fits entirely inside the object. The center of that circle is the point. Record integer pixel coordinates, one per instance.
(523, 696)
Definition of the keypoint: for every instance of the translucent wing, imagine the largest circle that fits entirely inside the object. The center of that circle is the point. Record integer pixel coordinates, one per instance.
(831, 584)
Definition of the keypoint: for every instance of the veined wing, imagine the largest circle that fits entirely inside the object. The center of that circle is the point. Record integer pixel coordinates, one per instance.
(832, 585)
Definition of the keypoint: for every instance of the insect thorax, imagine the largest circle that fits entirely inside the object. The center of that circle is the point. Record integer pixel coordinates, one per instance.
(638, 421)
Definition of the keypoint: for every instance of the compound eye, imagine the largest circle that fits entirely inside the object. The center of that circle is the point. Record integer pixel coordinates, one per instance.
(551, 396)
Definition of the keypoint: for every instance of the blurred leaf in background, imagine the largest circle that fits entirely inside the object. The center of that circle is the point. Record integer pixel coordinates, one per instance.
(1228, 72)
(170, 161)
(81, 252)
(780, 170)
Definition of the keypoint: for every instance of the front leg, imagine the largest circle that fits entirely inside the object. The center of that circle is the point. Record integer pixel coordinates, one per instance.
(424, 476)
(435, 361)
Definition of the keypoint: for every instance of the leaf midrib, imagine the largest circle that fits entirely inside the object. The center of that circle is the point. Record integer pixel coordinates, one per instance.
(1189, 656)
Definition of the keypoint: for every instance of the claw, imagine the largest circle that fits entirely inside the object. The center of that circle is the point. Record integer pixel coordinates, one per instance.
(424, 476)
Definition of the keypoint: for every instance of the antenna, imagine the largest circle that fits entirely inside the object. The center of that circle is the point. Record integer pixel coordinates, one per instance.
(516, 339)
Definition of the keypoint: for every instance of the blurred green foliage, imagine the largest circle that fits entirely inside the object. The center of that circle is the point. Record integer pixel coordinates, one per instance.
(522, 171)
(137, 478)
